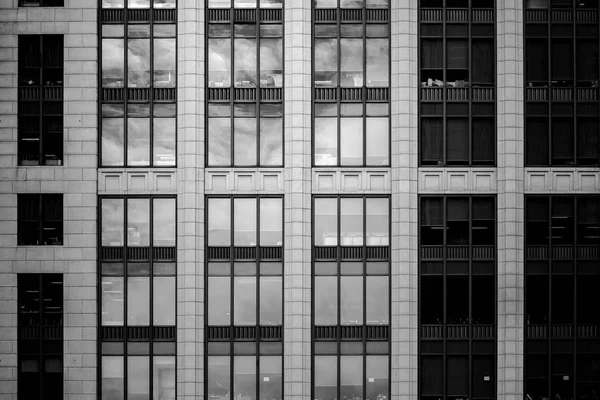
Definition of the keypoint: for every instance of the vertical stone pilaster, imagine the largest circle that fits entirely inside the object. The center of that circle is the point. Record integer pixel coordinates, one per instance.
(297, 201)
(404, 295)
(190, 200)
(510, 200)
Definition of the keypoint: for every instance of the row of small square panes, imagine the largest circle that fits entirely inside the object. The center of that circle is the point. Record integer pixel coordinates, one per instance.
(139, 3)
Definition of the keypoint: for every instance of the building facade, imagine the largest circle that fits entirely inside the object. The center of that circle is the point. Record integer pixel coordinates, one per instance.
(328, 199)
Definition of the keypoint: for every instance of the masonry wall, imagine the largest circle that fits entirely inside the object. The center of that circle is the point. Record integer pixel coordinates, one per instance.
(76, 179)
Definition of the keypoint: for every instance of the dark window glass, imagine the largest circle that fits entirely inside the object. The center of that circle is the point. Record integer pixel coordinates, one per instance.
(40, 219)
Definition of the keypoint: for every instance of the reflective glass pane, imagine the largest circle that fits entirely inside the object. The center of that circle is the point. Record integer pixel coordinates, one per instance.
(219, 300)
(164, 377)
(377, 381)
(138, 141)
(245, 62)
(219, 62)
(113, 63)
(138, 222)
(113, 141)
(244, 222)
(351, 377)
(219, 3)
(244, 3)
(271, 378)
(219, 222)
(113, 374)
(325, 293)
(378, 62)
(326, 382)
(163, 222)
(351, 223)
(271, 141)
(113, 3)
(138, 377)
(138, 63)
(351, 300)
(113, 222)
(244, 299)
(326, 232)
(352, 3)
(271, 300)
(378, 300)
(163, 298)
(351, 141)
(112, 300)
(378, 4)
(139, 4)
(244, 139)
(271, 63)
(326, 62)
(271, 221)
(377, 221)
(138, 301)
(325, 141)
(164, 62)
(219, 377)
(219, 141)
(244, 377)
(271, 3)
(378, 141)
(351, 63)
(164, 3)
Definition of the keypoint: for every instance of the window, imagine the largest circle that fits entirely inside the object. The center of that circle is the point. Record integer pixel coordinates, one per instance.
(40, 332)
(457, 297)
(40, 111)
(138, 84)
(41, 3)
(245, 83)
(40, 219)
(457, 63)
(351, 79)
(561, 83)
(138, 270)
(562, 348)
(245, 297)
(351, 297)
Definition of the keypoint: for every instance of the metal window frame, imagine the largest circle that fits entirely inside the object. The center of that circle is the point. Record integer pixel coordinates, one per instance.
(232, 100)
(364, 340)
(125, 354)
(338, 102)
(575, 339)
(574, 102)
(445, 354)
(232, 340)
(126, 101)
(444, 116)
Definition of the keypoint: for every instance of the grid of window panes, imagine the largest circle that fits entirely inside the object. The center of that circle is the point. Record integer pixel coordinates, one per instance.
(40, 125)
(40, 332)
(137, 274)
(244, 284)
(458, 78)
(351, 297)
(138, 83)
(40, 219)
(561, 83)
(562, 348)
(457, 303)
(244, 83)
(351, 82)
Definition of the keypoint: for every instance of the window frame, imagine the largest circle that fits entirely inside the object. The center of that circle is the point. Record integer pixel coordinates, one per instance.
(42, 199)
(473, 95)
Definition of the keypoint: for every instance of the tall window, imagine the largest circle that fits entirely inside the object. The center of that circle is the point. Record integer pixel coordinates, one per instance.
(562, 349)
(40, 125)
(351, 297)
(245, 83)
(244, 283)
(561, 78)
(458, 79)
(351, 80)
(40, 219)
(40, 332)
(137, 275)
(457, 305)
(138, 83)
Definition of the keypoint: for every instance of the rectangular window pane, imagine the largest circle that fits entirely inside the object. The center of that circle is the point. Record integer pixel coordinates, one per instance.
(271, 378)
(244, 222)
(113, 141)
(325, 293)
(432, 141)
(138, 301)
(163, 297)
(113, 63)
(377, 140)
(138, 222)
(326, 53)
(113, 375)
(244, 295)
(138, 377)
(351, 298)
(219, 376)
(244, 377)
(271, 141)
(245, 62)
(351, 138)
(138, 141)
(378, 62)
(271, 300)
(271, 222)
(326, 231)
(219, 300)
(164, 62)
(164, 377)
(164, 142)
(138, 63)
(219, 141)
(163, 222)
(219, 62)
(326, 141)
(326, 382)
(351, 63)
(351, 377)
(377, 375)
(377, 221)
(378, 300)
(351, 222)
(219, 222)
(244, 139)
(112, 300)
(113, 222)
(271, 63)
(458, 140)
